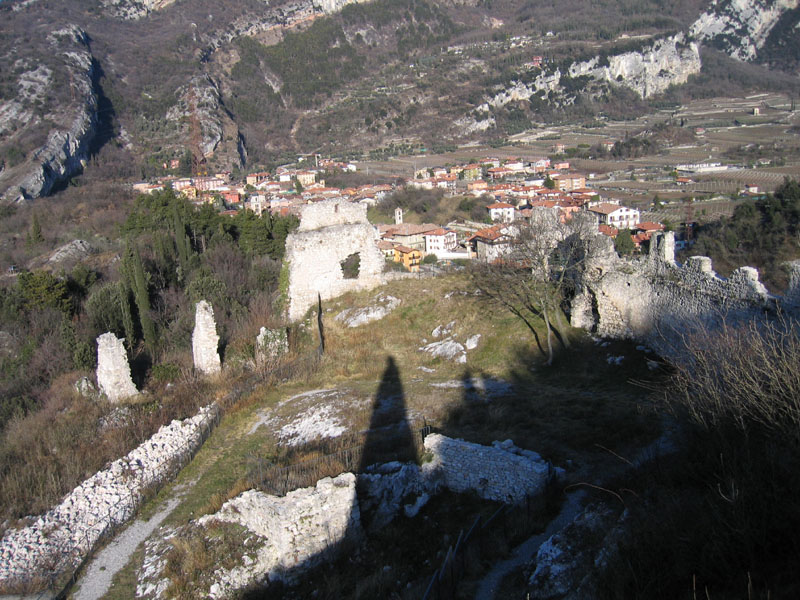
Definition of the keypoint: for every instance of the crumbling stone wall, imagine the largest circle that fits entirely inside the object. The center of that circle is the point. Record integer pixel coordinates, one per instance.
(62, 537)
(328, 234)
(652, 298)
(113, 370)
(501, 472)
(205, 340)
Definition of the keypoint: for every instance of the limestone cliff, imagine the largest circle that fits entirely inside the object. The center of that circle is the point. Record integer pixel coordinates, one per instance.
(200, 106)
(740, 27)
(133, 9)
(649, 71)
(62, 127)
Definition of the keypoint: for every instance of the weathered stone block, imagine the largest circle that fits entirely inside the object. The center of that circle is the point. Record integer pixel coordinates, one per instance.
(205, 340)
(113, 370)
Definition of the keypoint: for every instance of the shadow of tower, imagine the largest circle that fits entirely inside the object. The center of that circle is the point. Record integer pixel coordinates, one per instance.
(389, 436)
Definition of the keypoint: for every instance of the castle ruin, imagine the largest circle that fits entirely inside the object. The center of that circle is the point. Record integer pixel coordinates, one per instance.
(333, 251)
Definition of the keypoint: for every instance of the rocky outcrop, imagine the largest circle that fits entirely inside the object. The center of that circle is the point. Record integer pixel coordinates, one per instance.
(200, 103)
(567, 563)
(66, 128)
(133, 10)
(355, 317)
(649, 71)
(205, 340)
(61, 538)
(271, 344)
(740, 27)
(501, 472)
(282, 537)
(113, 370)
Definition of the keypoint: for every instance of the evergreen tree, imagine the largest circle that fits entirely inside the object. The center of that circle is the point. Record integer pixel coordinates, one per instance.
(623, 243)
(137, 280)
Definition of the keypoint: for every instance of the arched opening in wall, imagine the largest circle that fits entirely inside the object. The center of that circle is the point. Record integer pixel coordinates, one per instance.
(351, 266)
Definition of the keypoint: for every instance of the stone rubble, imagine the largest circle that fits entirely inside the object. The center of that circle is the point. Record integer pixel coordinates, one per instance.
(63, 536)
(502, 472)
(205, 340)
(113, 370)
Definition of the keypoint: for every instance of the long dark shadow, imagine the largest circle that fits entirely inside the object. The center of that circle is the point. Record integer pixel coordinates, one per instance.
(389, 436)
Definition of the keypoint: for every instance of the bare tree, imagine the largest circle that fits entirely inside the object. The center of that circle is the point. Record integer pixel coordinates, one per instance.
(535, 273)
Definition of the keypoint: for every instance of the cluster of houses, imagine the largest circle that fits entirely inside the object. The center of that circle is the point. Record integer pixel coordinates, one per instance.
(516, 188)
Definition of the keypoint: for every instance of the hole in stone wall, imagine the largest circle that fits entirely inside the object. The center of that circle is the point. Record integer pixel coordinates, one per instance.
(351, 266)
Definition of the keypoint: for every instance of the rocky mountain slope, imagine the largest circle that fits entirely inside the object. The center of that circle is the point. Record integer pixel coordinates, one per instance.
(47, 137)
(241, 83)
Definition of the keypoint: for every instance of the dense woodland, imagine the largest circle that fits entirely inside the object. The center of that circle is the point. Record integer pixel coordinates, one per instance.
(763, 234)
(169, 257)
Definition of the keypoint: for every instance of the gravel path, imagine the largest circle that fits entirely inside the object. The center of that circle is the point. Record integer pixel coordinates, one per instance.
(96, 579)
(526, 550)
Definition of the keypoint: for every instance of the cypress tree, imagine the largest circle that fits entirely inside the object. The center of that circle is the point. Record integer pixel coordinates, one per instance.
(137, 280)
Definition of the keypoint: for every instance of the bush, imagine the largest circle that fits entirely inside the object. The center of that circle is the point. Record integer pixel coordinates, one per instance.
(723, 512)
(430, 259)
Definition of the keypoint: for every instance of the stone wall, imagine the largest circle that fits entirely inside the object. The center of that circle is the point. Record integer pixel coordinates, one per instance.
(205, 340)
(653, 298)
(61, 538)
(113, 370)
(500, 472)
(329, 233)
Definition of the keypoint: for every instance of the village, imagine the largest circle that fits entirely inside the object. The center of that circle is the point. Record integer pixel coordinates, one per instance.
(511, 188)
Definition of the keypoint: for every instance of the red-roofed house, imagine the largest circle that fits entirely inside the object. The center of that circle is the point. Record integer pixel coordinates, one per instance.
(620, 217)
(440, 240)
(491, 243)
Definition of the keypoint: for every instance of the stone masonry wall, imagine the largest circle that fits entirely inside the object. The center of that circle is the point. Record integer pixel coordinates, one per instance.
(329, 232)
(653, 298)
(113, 370)
(61, 538)
(500, 472)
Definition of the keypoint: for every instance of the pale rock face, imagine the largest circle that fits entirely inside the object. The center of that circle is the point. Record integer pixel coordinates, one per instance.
(205, 340)
(200, 99)
(72, 125)
(741, 27)
(333, 6)
(113, 370)
(134, 10)
(295, 532)
(669, 61)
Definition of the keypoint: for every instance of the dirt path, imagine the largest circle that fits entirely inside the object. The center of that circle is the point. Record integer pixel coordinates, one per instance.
(523, 553)
(96, 579)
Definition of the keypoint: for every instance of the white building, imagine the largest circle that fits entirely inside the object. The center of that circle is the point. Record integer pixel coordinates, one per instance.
(617, 216)
(501, 212)
(440, 240)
